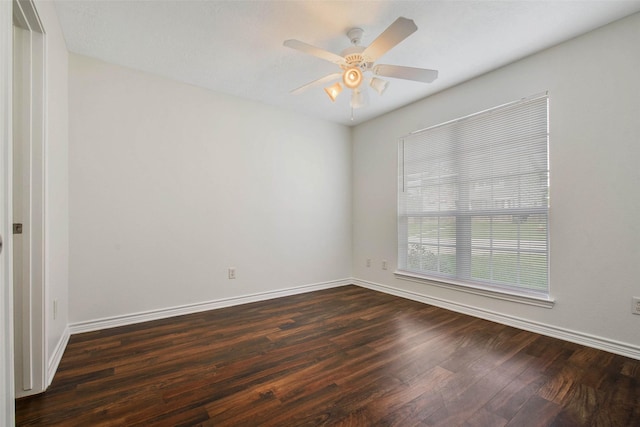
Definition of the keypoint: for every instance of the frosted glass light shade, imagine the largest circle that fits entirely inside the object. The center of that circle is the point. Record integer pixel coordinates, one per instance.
(333, 91)
(378, 85)
(352, 77)
(359, 99)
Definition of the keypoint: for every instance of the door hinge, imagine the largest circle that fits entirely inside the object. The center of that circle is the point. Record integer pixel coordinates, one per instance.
(17, 228)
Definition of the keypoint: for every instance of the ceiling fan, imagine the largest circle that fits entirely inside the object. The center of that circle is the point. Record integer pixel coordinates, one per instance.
(357, 60)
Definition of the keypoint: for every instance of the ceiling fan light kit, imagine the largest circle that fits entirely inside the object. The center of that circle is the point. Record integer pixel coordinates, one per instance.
(352, 77)
(333, 91)
(378, 85)
(359, 99)
(357, 60)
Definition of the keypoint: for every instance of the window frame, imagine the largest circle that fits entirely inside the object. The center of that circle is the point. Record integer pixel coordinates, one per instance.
(465, 282)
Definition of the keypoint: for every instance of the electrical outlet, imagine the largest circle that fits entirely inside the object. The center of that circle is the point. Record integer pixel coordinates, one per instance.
(368, 262)
(232, 272)
(384, 264)
(635, 305)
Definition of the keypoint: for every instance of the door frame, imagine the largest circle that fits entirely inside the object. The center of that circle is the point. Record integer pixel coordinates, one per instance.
(29, 321)
(7, 390)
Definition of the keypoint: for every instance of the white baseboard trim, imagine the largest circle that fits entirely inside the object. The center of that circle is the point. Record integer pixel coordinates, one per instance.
(129, 319)
(56, 357)
(612, 346)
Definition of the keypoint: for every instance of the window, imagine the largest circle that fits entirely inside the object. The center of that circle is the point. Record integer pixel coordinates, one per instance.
(474, 198)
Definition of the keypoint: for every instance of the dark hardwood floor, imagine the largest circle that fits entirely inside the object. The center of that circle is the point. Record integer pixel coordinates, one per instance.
(346, 356)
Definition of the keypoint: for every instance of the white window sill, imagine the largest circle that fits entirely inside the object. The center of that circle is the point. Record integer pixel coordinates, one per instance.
(523, 298)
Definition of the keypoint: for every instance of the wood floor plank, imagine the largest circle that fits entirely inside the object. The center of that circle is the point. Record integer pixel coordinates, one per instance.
(346, 356)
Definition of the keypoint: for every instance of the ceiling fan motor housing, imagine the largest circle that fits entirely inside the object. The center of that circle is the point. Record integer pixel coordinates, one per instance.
(353, 58)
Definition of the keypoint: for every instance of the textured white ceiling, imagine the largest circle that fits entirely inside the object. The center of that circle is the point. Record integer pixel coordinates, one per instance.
(235, 47)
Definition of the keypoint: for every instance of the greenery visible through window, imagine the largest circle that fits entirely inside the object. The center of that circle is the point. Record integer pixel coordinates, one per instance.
(473, 199)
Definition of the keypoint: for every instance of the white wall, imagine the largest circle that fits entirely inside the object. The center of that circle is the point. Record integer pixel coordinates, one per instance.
(56, 187)
(171, 184)
(594, 93)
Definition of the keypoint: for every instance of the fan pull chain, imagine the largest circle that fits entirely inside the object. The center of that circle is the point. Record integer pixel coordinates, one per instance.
(351, 113)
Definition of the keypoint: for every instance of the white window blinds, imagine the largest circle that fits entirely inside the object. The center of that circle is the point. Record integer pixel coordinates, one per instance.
(474, 197)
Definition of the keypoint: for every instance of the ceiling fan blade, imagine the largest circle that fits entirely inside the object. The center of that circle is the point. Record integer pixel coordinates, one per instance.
(315, 51)
(394, 34)
(325, 79)
(408, 73)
